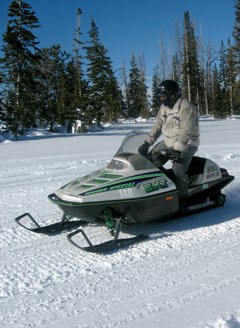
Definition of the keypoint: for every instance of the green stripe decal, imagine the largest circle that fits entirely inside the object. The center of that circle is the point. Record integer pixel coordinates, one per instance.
(128, 180)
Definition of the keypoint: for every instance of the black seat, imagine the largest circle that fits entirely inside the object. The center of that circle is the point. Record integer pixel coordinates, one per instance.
(196, 166)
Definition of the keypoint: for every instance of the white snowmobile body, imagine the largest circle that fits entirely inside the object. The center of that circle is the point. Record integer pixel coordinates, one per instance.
(137, 190)
(130, 189)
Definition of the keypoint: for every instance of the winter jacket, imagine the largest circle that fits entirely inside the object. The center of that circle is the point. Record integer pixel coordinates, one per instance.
(179, 125)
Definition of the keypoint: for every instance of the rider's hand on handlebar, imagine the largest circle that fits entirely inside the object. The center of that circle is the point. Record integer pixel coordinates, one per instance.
(174, 155)
(143, 149)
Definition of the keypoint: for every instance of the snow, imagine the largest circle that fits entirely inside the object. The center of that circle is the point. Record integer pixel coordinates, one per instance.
(185, 275)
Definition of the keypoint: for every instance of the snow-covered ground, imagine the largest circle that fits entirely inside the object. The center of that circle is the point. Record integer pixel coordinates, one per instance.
(187, 274)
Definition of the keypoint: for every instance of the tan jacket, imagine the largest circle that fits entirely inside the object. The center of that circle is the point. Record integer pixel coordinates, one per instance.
(179, 125)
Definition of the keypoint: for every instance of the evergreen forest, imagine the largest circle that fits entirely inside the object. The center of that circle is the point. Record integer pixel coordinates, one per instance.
(50, 87)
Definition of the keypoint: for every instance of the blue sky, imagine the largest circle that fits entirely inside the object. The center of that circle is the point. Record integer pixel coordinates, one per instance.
(129, 25)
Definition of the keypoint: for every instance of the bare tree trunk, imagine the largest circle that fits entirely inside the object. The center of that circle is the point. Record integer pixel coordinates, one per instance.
(188, 74)
(180, 52)
(76, 50)
(231, 94)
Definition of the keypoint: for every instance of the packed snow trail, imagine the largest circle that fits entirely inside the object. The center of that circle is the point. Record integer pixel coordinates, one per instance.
(185, 275)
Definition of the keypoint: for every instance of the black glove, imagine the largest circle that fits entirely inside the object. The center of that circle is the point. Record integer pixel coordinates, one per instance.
(174, 155)
(143, 149)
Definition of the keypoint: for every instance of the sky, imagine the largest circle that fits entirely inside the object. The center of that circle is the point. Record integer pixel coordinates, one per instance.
(129, 26)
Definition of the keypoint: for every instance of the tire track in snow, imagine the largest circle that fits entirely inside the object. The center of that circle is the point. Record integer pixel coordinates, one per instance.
(153, 301)
(19, 272)
(153, 295)
(67, 287)
(145, 250)
(23, 175)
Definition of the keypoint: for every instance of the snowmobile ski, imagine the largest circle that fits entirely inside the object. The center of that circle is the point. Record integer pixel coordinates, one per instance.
(50, 229)
(109, 245)
(105, 247)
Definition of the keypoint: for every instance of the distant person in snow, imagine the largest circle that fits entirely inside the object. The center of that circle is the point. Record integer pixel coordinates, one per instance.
(177, 120)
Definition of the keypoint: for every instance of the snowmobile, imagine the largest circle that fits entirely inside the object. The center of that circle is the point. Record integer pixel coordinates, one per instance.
(131, 190)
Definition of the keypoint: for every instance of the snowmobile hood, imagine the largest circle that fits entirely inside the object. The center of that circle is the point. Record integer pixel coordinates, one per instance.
(107, 185)
(128, 175)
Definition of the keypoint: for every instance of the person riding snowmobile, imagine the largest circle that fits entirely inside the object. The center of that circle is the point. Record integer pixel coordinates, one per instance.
(177, 120)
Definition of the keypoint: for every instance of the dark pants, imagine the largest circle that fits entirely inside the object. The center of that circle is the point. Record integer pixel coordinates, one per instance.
(179, 169)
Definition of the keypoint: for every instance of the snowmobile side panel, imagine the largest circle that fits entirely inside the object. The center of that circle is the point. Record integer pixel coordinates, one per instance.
(143, 209)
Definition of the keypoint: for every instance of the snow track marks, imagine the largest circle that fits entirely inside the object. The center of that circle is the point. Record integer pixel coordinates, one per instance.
(188, 270)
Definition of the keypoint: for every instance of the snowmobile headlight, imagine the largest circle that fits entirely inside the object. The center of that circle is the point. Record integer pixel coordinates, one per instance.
(117, 165)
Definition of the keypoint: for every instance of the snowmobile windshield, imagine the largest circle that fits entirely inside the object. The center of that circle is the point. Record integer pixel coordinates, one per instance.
(132, 142)
(127, 155)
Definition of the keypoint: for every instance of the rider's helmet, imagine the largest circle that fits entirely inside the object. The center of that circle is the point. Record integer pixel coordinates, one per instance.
(169, 92)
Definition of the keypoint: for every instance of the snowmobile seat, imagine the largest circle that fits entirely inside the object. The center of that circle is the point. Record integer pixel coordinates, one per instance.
(196, 166)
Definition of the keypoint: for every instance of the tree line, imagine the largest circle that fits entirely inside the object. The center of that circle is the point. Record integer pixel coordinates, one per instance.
(50, 86)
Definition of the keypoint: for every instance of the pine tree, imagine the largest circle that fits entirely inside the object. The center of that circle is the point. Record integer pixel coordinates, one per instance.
(137, 104)
(236, 55)
(104, 97)
(76, 94)
(231, 74)
(191, 83)
(18, 65)
(144, 106)
(55, 87)
(156, 80)
(77, 58)
(223, 81)
(207, 59)
(236, 36)
(76, 83)
(178, 58)
(133, 89)
(217, 95)
(223, 66)
(124, 92)
(177, 69)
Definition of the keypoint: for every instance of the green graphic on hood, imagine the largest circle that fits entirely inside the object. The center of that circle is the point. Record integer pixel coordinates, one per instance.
(126, 183)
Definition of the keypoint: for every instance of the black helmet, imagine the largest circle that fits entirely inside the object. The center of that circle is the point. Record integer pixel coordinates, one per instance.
(169, 92)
